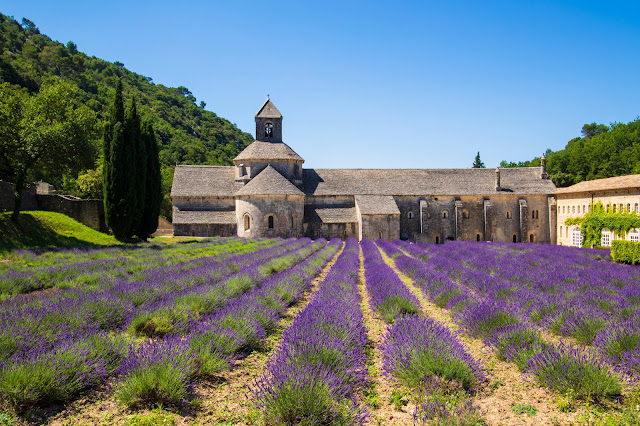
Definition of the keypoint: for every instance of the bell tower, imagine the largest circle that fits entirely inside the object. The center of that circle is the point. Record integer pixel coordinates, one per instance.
(269, 123)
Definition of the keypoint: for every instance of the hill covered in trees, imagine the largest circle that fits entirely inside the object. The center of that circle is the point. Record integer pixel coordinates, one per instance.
(602, 151)
(186, 132)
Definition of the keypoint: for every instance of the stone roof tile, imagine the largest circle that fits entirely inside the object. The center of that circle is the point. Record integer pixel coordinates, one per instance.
(269, 182)
(204, 181)
(618, 182)
(196, 217)
(376, 204)
(268, 110)
(421, 182)
(261, 150)
(329, 214)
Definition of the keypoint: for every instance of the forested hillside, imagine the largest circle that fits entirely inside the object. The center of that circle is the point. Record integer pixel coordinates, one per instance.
(186, 132)
(602, 151)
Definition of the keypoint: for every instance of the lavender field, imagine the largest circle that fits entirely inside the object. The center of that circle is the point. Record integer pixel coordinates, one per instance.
(238, 331)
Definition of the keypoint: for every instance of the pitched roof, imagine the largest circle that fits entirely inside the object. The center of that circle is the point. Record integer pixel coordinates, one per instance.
(203, 181)
(268, 110)
(415, 182)
(376, 204)
(269, 182)
(329, 214)
(260, 150)
(196, 217)
(618, 182)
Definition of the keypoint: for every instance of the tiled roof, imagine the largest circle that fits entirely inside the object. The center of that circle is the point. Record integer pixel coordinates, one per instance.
(269, 182)
(204, 217)
(204, 181)
(260, 150)
(618, 182)
(416, 182)
(329, 214)
(268, 110)
(376, 204)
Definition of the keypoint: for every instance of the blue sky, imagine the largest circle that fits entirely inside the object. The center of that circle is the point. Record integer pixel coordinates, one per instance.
(379, 84)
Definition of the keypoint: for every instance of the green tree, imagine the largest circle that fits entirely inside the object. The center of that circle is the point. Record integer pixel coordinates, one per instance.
(121, 203)
(477, 163)
(153, 188)
(590, 130)
(49, 131)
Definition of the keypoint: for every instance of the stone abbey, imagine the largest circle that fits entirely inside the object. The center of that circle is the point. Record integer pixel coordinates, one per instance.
(267, 193)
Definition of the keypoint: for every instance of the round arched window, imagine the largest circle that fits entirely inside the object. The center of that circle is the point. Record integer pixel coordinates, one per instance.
(268, 130)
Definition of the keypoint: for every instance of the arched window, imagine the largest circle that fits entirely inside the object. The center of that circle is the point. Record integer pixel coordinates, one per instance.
(615, 207)
(635, 208)
(345, 234)
(515, 238)
(584, 208)
(563, 209)
(270, 221)
(533, 214)
(560, 230)
(268, 130)
(293, 221)
(437, 239)
(477, 237)
(465, 214)
(573, 209)
(247, 222)
(410, 215)
(578, 209)
(576, 237)
(508, 214)
(445, 214)
(628, 207)
(589, 208)
(380, 235)
(531, 238)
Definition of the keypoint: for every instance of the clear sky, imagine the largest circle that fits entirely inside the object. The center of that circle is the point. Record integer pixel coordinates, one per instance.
(379, 84)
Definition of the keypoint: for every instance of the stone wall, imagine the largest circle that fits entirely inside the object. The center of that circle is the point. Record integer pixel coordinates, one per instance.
(330, 230)
(376, 226)
(287, 212)
(204, 230)
(7, 198)
(88, 212)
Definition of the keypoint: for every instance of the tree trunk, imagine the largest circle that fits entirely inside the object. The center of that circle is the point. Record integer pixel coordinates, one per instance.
(17, 196)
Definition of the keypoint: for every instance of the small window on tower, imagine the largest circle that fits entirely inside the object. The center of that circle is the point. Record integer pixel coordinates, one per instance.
(268, 130)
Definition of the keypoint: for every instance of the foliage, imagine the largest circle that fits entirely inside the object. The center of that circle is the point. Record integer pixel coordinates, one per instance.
(600, 218)
(477, 162)
(185, 132)
(49, 131)
(47, 229)
(626, 252)
(603, 151)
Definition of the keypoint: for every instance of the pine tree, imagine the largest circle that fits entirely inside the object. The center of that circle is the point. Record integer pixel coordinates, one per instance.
(477, 163)
(153, 192)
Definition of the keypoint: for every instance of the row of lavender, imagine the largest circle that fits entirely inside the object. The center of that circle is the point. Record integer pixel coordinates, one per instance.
(314, 376)
(53, 349)
(96, 267)
(558, 367)
(593, 301)
(420, 352)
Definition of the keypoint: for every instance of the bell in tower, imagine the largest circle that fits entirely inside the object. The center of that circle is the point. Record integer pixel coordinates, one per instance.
(269, 123)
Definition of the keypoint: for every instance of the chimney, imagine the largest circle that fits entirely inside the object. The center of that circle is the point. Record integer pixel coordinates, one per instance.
(543, 167)
(497, 179)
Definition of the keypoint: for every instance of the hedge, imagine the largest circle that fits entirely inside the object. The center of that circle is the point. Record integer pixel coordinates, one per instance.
(625, 252)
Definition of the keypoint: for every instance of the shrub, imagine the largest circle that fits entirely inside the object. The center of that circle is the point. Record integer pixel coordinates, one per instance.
(625, 252)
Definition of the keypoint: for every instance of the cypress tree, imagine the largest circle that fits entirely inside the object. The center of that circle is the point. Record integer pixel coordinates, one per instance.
(112, 130)
(138, 166)
(153, 191)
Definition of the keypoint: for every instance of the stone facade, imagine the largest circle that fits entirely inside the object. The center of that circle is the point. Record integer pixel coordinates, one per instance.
(267, 193)
(620, 193)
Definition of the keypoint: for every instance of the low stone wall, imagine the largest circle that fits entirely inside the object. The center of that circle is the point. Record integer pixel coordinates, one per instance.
(6, 197)
(88, 212)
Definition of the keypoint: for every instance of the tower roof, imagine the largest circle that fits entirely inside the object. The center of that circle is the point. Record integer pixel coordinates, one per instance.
(260, 150)
(268, 110)
(269, 182)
